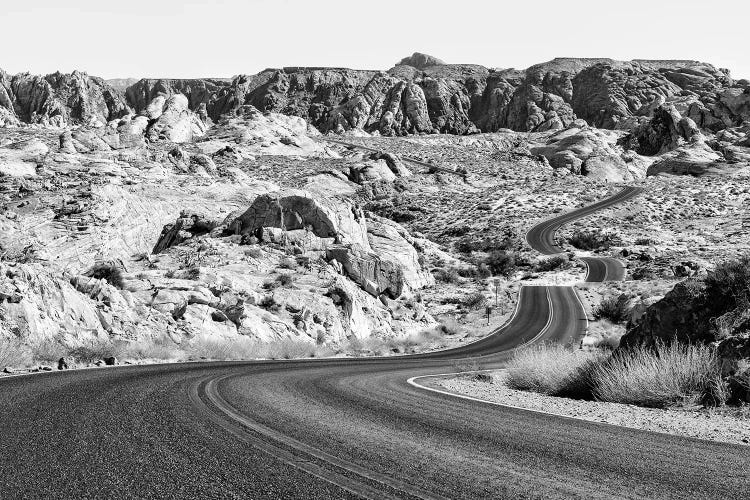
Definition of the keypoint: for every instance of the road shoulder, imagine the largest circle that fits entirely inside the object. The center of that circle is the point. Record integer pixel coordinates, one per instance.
(727, 425)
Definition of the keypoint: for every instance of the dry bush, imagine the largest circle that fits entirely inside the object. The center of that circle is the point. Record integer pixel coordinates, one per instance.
(466, 365)
(475, 300)
(222, 348)
(91, 350)
(606, 333)
(14, 353)
(48, 351)
(292, 349)
(665, 375)
(614, 309)
(552, 263)
(552, 369)
(593, 240)
(108, 272)
(450, 326)
(158, 348)
(447, 275)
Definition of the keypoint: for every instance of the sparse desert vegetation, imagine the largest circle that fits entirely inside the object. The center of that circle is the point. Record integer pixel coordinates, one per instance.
(660, 376)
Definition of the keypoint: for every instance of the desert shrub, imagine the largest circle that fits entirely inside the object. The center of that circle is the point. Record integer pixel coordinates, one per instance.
(501, 263)
(465, 245)
(593, 240)
(108, 272)
(253, 252)
(285, 279)
(48, 350)
(159, 348)
(644, 241)
(552, 369)
(483, 271)
(729, 283)
(271, 285)
(91, 350)
(607, 335)
(644, 273)
(447, 275)
(474, 300)
(614, 309)
(466, 365)
(469, 244)
(552, 263)
(290, 349)
(288, 263)
(192, 273)
(14, 353)
(221, 348)
(466, 272)
(450, 326)
(664, 375)
(269, 303)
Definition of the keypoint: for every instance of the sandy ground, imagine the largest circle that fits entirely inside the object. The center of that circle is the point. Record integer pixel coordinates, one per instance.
(724, 425)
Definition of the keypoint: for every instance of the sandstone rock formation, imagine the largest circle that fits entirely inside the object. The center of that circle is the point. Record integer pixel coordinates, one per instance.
(60, 99)
(294, 210)
(421, 61)
(590, 152)
(666, 131)
(420, 94)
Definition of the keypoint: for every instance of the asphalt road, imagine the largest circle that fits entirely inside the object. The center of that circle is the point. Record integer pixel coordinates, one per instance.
(337, 428)
(542, 237)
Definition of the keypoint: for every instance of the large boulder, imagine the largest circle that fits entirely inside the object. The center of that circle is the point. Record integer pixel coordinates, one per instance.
(175, 121)
(339, 221)
(374, 274)
(392, 242)
(187, 225)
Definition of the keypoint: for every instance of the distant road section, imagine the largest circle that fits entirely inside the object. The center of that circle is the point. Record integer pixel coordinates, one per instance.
(541, 237)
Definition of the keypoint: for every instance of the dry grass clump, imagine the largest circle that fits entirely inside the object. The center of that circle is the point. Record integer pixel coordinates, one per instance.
(158, 348)
(605, 334)
(475, 300)
(13, 353)
(614, 309)
(550, 369)
(665, 375)
(662, 376)
(108, 272)
(242, 348)
(92, 350)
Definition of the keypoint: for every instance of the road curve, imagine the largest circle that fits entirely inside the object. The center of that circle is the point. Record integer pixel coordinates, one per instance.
(337, 428)
(541, 237)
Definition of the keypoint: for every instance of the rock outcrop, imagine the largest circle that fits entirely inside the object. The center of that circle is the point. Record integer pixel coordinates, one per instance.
(590, 152)
(419, 95)
(666, 131)
(171, 119)
(60, 99)
(295, 210)
(714, 309)
(421, 61)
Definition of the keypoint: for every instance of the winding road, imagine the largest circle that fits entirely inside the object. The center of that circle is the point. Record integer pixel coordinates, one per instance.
(341, 428)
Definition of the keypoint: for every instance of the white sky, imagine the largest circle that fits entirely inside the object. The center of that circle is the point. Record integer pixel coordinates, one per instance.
(222, 38)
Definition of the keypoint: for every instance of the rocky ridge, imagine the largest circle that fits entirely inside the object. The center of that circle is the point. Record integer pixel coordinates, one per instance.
(421, 94)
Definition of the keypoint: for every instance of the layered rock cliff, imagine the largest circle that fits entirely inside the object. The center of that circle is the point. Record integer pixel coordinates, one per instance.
(421, 94)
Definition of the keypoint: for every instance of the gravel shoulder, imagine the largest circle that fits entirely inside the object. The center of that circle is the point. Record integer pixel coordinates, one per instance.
(728, 425)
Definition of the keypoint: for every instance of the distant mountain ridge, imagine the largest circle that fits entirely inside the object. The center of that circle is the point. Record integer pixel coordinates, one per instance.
(421, 94)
